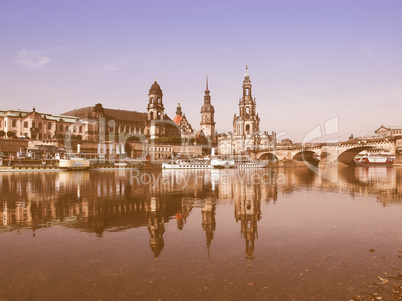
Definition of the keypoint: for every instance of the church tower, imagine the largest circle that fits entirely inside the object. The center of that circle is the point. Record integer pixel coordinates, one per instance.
(155, 111)
(155, 106)
(248, 122)
(208, 115)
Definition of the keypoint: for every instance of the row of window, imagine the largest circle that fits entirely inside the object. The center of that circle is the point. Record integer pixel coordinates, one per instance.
(160, 149)
(40, 125)
(129, 130)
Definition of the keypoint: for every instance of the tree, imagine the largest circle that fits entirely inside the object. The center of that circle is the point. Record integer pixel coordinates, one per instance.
(59, 136)
(10, 134)
(2, 133)
(78, 138)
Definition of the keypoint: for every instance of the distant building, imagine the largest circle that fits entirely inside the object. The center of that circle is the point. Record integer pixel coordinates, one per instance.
(285, 142)
(103, 123)
(208, 116)
(40, 126)
(389, 131)
(181, 120)
(246, 134)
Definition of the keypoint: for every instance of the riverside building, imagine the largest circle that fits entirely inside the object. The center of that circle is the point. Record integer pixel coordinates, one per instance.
(246, 135)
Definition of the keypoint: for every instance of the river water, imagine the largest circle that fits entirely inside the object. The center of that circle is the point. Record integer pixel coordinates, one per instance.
(263, 234)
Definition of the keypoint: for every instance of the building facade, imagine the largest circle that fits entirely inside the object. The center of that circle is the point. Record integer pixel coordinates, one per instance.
(246, 135)
(208, 116)
(34, 125)
(105, 124)
(181, 120)
(389, 131)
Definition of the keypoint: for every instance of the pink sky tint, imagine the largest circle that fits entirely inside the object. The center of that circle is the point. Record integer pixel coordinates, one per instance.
(309, 60)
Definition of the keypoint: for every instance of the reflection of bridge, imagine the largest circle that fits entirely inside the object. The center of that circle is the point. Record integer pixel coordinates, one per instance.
(342, 152)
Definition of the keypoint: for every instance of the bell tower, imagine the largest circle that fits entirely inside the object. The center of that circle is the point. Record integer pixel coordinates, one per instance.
(155, 105)
(247, 122)
(208, 115)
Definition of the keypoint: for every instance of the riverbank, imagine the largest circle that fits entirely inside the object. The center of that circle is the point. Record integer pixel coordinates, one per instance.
(56, 168)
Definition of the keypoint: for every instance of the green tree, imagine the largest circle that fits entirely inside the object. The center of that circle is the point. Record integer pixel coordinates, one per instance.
(10, 134)
(2, 133)
(59, 136)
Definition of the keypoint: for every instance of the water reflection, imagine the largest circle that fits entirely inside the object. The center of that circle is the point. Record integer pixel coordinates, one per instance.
(230, 208)
(97, 201)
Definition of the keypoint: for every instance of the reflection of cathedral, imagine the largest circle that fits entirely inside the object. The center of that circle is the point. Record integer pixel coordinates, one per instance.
(248, 212)
(107, 201)
(208, 219)
(156, 225)
(184, 212)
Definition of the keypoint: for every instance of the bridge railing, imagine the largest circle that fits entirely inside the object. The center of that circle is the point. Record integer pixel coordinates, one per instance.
(311, 146)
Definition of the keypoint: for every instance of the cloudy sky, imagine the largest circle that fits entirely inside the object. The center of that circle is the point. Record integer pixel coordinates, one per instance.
(309, 60)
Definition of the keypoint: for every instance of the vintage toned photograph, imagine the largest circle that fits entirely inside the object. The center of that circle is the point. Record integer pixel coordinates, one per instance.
(201, 150)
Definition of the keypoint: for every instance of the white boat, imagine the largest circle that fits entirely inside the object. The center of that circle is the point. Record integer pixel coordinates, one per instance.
(245, 162)
(188, 164)
(73, 163)
(375, 160)
(222, 163)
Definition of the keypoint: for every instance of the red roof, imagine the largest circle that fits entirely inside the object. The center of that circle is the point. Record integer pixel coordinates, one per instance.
(177, 119)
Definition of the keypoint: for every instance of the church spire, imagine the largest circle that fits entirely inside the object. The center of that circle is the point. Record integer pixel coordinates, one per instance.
(178, 109)
(207, 113)
(247, 75)
(207, 97)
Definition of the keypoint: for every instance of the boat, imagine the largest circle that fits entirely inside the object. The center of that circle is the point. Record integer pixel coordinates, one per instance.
(374, 159)
(70, 162)
(250, 164)
(188, 164)
(220, 162)
(246, 162)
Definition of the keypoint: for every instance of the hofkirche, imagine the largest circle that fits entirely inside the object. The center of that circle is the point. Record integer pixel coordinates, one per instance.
(96, 125)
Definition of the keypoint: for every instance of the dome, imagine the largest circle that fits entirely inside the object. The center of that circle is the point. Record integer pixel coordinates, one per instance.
(155, 89)
(246, 75)
(207, 108)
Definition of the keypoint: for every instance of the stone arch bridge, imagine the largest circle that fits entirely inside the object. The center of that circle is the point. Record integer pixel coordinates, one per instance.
(341, 152)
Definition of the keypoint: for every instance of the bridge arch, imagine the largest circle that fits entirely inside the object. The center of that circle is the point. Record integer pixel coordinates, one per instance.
(398, 153)
(347, 156)
(268, 156)
(306, 155)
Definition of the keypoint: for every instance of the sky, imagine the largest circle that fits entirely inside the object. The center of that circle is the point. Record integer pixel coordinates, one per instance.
(309, 60)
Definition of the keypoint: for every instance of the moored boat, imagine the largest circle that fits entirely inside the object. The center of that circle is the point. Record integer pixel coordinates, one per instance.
(73, 163)
(188, 164)
(250, 164)
(374, 160)
(246, 162)
(222, 163)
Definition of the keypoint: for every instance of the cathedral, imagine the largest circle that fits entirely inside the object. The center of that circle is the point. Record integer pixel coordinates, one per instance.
(208, 117)
(246, 135)
(98, 127)
(103, 123)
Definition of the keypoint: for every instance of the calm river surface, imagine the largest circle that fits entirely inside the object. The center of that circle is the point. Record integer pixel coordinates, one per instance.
(264, 234)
